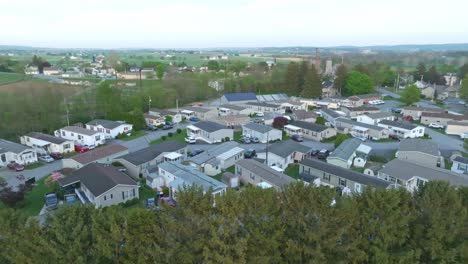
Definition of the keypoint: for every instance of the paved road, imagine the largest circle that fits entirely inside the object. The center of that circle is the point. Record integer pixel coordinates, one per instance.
(388, 93)
(39, 173)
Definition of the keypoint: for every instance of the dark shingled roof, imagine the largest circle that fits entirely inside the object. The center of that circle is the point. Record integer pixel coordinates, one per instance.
(345, 173)
(399, 124)
(420, 145)
(98, 178)
(109, 124)
(362, 108)
(98, 153)
(46, 137)
(285, 148)
(445, 115)
(461, 159)
(144, 155)
(258, 127)
(310, 126)
(209, 126)
(240, 97)
(8, 146)
(266, 173)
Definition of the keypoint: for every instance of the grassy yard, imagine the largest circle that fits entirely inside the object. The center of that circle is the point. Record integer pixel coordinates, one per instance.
(292, 170)
(237, 135)
(146, 192)
(448, 164)
(177, 137)
(285, 136)
(231, 169)
(383, 140)
(6, 78)
(34, 165)
(134, 135)
(34, 200)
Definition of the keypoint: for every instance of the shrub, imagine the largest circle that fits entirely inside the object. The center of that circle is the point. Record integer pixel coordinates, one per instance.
(117, 164)
(179, 131)
(376, 158)
(227, 139)
(163, 138)
(131, 202)
(170, 134)
(340, 138)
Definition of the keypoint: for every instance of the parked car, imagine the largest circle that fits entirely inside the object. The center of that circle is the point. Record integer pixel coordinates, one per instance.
(70, 198)
(323, 154)
(81, 148)
(259, 114)
(396, 110)
(56, 155)
(195, 152)
(464, 135)
(15, 166)
(151, 127)
(376, 102)
(394, 137)
(297, 138)
(167, 127)
(169, 123)
(190, 140)
(254, 140)
(51, 201)
(314, 152)
(435, 125)
(194, 119)
(245, 140)
(250, 153)
(46, 158)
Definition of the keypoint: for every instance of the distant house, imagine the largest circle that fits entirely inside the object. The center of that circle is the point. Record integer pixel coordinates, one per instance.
(264, 107)
(31, 70)
(416, 112)
(282, 154)
(209, 132)
(460, 165)
(154, 120)
(403, 129)
(232, 109)
(253, 172)
(81, 136)
(238, 98)
(303, 115)
(441, 118)
(413, 176)
(321, 173)
(361, 130)
(352, 101)
(262, 132)
(375, 118)
(48, 143)
(290, 105)
(311, 130)
(174, 116)
(456, 127)
(14, 152)
(420, 151)
(366, 98)
(111, 129)
(354, 112)
(345, 154)
(232, 120)
(51, 71)
(330, 116)
(271, 97)
(104, 155)
(213, 161)
(200, 112)
(100, 185)
(136, 161)
(177, 177)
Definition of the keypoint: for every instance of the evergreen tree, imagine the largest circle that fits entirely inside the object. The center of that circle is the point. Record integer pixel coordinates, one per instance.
(340, 78)
(292, 79)
(420, 72)
(312, 85)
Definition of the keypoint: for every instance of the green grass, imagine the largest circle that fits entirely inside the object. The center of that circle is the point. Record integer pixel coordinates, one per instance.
(360, 170)
(34, 165)
(448, 164)
(292, 170)
(34, 200)
(237, 135)
(329, 140)
(177, 137)
(6, 78)
(134, 135)
(146, 192)
(385, 140)
(285, 136)
(231, 169)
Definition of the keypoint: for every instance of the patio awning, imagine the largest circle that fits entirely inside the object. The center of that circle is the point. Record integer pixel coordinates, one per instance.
(291, 127)
(187, 112)
(194, 128)
(172, 156)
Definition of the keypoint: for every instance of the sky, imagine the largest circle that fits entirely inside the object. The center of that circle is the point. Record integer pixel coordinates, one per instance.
(233, 23)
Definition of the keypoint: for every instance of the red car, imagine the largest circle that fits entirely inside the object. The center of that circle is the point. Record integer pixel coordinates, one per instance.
(81, 148)
(56, 155)
(15, 166)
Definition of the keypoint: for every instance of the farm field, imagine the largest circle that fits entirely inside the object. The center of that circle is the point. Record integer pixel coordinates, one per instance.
(7, 78)
(35, 85)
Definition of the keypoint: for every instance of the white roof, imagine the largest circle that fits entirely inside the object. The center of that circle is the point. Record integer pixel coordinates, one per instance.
(172, 155)
(186, 112)
(230, 153)
(192, 127)
(276, 168)
(360, 128)
(291, 127)
(264, 185)
(364, 149)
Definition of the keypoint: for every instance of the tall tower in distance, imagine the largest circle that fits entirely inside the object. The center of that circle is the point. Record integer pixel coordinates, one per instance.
(329, 67)
(316, 61)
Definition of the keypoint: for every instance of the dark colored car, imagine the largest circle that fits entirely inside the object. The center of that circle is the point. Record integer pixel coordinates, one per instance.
(56, 155)
(314, 152)
(169, 123)
(15, 166)
(249, 154)
(394, 137)
(196, 152)
(151, 127)
(323, 154)
(297, 138)
(166, 127)
(51, 201)
(194, 119)
(396, 110)
(81, 148)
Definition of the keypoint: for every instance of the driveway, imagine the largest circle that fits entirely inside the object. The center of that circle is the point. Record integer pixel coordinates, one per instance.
(447, 143)
(38, 173)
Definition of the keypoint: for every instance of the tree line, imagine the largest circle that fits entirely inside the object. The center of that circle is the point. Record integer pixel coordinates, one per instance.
(299, 225)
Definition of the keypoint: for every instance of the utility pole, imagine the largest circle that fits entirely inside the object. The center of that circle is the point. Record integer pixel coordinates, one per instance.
(66, 109)
(266, 149)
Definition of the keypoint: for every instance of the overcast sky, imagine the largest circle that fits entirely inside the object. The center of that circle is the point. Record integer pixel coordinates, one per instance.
(233, 23)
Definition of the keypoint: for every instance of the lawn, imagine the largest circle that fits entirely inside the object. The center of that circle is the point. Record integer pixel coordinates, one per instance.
(231, 169)
(285, 136)
(237, 135)
(382, 140)
(292, 170)
(177, 137)
(134, 135)
(34, 200)
(146, 192)
(34, 165)
(6, 78)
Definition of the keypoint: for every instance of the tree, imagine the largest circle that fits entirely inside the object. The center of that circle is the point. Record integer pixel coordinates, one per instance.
(464, 88)
(340, 137)
(362, 69)
(411, 94)
(303, 71)
(313, 85)
(358, 83)
(279, 122)
(463, 71)
(213, 65)
(420, 71)
(340, 78)
(292, 79)
(12, 197)
(160, 69)
(433, 76)
(320, 120)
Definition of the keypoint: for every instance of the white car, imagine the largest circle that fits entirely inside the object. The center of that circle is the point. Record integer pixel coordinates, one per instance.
(464, 135)
(435, 125)
(190, 140)
(46, 158)
(376, 102)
